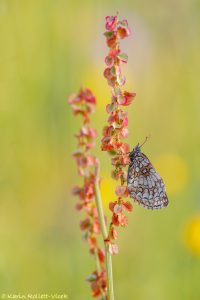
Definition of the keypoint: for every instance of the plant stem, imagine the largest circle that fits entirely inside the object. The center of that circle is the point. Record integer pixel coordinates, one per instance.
(109, 273)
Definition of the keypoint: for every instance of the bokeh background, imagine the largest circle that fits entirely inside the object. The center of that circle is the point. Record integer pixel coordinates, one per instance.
(48, 49)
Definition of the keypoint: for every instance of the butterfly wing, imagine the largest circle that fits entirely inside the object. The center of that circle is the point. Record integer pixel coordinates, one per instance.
(145, 185)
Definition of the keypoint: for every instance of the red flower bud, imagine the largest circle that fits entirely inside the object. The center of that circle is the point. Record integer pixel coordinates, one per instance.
(111, 22)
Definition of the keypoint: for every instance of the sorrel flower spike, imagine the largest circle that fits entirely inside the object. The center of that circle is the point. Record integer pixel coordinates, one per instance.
(116, 130)
(83, 103)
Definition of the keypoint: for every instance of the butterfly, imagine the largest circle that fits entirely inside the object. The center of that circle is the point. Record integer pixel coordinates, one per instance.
(145, 185)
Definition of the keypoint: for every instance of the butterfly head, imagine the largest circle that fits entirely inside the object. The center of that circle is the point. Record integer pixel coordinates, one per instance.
(137, 149)
(134, 152)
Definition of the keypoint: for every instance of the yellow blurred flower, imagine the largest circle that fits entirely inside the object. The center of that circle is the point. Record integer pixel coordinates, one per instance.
(192, 235)
(174, 171)
(107, 187)
(94, 79)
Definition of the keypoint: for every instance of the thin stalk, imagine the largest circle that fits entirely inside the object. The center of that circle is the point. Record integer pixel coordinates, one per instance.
(109, 273)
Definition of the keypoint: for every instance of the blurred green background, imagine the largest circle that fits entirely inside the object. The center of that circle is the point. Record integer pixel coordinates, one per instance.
(48, 49)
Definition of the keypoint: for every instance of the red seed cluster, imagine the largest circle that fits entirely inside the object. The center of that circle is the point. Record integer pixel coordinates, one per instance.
(84, 104)
(116, 129)
(114, 133)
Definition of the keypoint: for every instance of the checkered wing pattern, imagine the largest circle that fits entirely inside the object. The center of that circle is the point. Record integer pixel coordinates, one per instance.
(145, 185)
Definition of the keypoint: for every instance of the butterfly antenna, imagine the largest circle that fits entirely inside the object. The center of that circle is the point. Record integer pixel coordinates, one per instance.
(146, 139)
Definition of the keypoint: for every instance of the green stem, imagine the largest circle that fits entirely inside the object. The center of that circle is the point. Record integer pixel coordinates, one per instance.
(109, 273)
